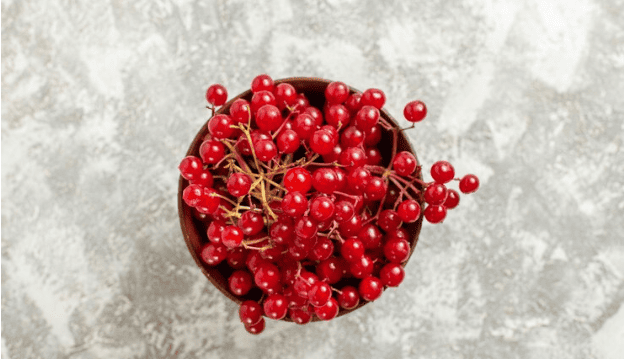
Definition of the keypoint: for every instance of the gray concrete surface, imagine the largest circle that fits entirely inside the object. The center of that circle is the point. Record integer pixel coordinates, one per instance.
(100, 100)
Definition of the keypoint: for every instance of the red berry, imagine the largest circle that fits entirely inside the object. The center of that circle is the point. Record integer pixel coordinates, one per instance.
(392, 274)
(348, 297)
(190, 167)
(341, 179)
(337, 116)
(262, 83)
(367, 117)
(376, 189)
(304, 282)
(265, 150)
(397, 250)
(469, 184)
(301, 102)
(285, 95)
(322, 142)
(213, 254)
(300, 316)
(322, 250)
(373, 97)
(361, 268)
(331, 270)
(350, 227)
(209, 200)
(357, 179)
(282, 231)
(435, 193)
(212, 151)
(205, 179)
(250, 312)
(251, 223)
(294, 204)
(305, 126)
(352, 249)
(214, 231)
(219, 126)
(236, 257)
(319, 294)
(453, 198)
(328, 311)
(298, 179)
(324, 180)
(240, 111)
(370, 288)
(305, 227)
(192, 195)
(442, 172)
(276, 306)
(409, 210)
(240, 282)
(370, 236)
(404, 163)
(254, 261)
(435, 213)
(260, 99)
(388, 220)
(336, 92)
(216, 95)
(232, 236)
(268, 278)
(343, 211)
(415, 111)
(353, 103)
(352, 137)
(256, 328)
(374, 157)
(352, 157)
(288, 141)
(239, 184)
(321, 208)
(268, 118)
(373, 136)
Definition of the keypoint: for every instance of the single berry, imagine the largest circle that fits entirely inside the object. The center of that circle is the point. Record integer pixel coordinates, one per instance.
(282, 231)
(305, 227)
(392, 274)
(353, 157)
(367, 117)
(213, 254)
(319, 294)
(389, 220)
(236, 257)
(294, 204)
(331, 270)
(298, 179)
(260, 99)
(321, 208)
(337, 116)
(376, 189)
(350, 227)
(404, 163)
(353, 103)
(453, 198)
(240, 111)
(328, 311)
(288, 141)
(239, 184)
(268, 278)
(362, 267)
(285, 95)
(304, 282)
(442, 172)
(262, 83)
(435, 213)
(212, 151)
(409, 211)
(300, 316)
(216, 95)
(276, 306)
(357, 179)
(352, 137)
(250, 312)
(240, 282)
(265, 150)
(352, 249)
(415, 111)
(322, 250)
(469, 184)
(214, 231)
(343, 211)
(251, 223)
(370, 288)
(373, 136)
(232, 236)
(305, 126)
(370, 236)
(256, 328)
(192, 195)
(348, 297)
(316, 114)
(205, 179)
(322, 142)
(219, 126)
(336, 92)
(190, 168)
(324, 180)
(374, 157)
(373, 97)
(435, 193)
(268, 118)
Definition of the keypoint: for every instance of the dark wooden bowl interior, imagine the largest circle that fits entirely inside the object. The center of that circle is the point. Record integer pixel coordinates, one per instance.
(194, 229)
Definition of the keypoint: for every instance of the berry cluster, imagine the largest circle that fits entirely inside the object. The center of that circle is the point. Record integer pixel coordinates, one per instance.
(300, 204)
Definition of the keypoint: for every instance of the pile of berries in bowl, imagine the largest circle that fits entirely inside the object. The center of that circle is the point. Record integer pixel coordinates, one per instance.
(302, 200)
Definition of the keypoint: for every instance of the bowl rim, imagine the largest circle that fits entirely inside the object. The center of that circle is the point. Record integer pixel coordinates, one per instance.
(186, 216)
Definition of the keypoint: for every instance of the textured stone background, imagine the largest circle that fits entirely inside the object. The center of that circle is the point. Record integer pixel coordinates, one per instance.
(100, 100)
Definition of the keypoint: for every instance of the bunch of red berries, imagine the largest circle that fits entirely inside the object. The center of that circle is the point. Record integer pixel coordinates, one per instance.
(301, 208)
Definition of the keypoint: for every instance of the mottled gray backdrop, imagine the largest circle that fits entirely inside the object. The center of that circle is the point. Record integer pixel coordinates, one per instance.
(100, 100)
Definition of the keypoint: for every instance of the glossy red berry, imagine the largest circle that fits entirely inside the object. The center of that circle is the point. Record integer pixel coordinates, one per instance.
(219, 126)
(319, 294)
(322, 142)
(366, 118)
(232, 236)
(192, 195)
(370, 288)
(435, 193)
(409, 211)
(262, 83)
(276, 306)
(404, 163)
(328, 311)
(190, 167)
(268, 278)
(240, 282)
(216, 95)
(357, 179)
(442, 172)
(392, 274)
(213, 254)
(343, 211)
(348, 297)
(324, 180)
(236, 257)
(300, 316)
(321, 208)
(214, 231)
(352, 137)
(205, 179)
(285, 95)
(268, 118)
(298, 179)
(370, 236)
(435, 213)
(304, 282)
(361, 268)
(337, 116)
(336, 92)
(353, 103)
(397, 250)
(388, 220)
(376, 189)
(374, 157)
(288, 141)
(256, 328)
(305, 126)
(282, 231)
(453, 198)
(305, 227)
(352, 157)
(265, 150)
(352, 249)
(373, 136)
(250, 312)
(260, 99)
(469, 184)
(415, 111)
(373, 97)
(239, 184)
(212, 151)
(322, 250)
(294, 204)
(316, 114)
(251, 223)
(240, 111)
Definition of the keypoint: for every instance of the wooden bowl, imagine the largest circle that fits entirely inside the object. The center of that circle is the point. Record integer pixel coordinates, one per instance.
(194, 228)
